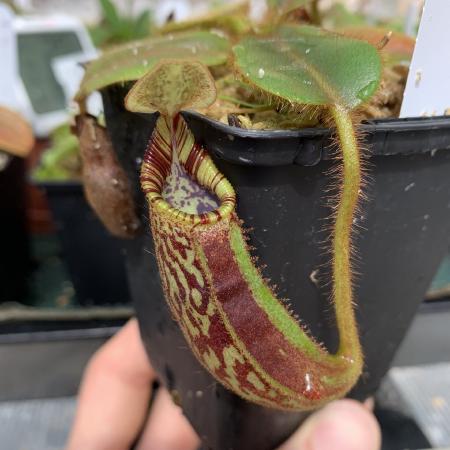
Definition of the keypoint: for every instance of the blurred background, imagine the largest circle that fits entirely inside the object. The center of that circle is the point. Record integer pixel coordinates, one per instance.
(63, 288)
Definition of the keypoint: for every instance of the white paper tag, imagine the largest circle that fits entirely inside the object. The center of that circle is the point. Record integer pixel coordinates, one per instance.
(427, 90)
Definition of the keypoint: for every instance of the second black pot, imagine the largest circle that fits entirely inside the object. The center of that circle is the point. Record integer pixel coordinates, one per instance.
(403, 237)
(95, 259)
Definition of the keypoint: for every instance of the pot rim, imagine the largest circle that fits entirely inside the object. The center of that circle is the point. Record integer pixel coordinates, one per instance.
(308, 146)
(367, 126)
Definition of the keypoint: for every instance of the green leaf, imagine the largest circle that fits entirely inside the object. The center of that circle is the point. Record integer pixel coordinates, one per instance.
(171, 86)
(142, 24)
(305, 65)
(131, 61)
(110, 13)
(100, 35)
(125, 32)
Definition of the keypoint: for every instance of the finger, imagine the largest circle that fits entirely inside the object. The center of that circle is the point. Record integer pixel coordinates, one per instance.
(342, 425)
(114, 394)
(167, 428)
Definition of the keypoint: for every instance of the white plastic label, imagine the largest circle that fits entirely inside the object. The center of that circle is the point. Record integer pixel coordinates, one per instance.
(427, 90)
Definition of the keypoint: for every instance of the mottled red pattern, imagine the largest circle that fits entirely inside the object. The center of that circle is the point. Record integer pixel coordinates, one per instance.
(232, 293)
(256, 331)
(218, 337)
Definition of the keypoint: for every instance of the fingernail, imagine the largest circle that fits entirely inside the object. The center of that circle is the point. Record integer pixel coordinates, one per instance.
(369, 403)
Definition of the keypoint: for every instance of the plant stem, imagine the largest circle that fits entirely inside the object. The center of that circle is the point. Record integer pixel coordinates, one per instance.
(315, 12)
(350, 192)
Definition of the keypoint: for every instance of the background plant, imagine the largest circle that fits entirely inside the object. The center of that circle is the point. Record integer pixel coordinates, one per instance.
(61, 161)
(116, 28)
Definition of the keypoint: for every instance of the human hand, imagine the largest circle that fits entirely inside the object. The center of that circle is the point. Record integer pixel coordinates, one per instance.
(115, 393)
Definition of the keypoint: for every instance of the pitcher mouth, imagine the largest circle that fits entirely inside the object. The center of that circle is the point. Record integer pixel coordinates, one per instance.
(171, 136)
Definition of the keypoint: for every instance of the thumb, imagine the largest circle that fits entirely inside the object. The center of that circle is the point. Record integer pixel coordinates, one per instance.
(341, 425)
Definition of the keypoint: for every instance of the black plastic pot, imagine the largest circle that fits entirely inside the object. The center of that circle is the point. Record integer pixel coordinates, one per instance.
(281, 184)
(15, 263)
(95, 259)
